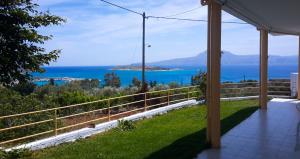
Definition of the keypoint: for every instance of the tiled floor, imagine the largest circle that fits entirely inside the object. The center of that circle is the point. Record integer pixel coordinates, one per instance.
(271, 134)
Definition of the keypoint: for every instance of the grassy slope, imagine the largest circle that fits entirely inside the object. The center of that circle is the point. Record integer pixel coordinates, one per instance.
(178, 134)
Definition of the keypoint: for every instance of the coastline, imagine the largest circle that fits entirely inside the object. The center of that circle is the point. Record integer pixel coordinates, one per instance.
(128, 69)
(182, 76)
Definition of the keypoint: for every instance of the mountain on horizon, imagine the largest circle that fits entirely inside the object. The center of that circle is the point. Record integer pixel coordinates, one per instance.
(227, 58)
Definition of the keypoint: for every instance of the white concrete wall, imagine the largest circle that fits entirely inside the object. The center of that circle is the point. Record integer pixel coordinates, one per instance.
(294, 84)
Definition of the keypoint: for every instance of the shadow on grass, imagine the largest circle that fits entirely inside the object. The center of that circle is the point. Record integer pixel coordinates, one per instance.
(189, 146)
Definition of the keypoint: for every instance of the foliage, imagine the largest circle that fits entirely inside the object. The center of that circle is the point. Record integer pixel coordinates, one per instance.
(17, 99)
(125, 125)
(153, 84)
(87, 84)
(173, 85)
(51, 82)
(136, 82)
(68, 98)
(24, 88)
(11, 102)
(145, 87)
(201, 80)
(21, 50)
(16, 154)
(228, 82)
(249, 80)
(111, 79)
(159, 87)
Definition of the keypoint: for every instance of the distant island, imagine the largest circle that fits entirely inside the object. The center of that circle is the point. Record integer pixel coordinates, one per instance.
(147, 68)
(227, 58)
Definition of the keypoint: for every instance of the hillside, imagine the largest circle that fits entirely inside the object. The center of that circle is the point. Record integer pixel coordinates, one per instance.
(228, 58)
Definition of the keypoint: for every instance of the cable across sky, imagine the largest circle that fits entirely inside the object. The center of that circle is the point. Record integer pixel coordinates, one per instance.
(170, 17)
(124, 8)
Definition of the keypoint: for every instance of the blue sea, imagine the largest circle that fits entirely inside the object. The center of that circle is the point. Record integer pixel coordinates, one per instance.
(182, 76)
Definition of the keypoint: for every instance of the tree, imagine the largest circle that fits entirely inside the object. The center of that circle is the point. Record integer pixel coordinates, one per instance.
(24, 88)
(88, 83)
(21, 50)
(136, 82)
(173, 85)
(51, 82)
(153, 84)
(201, 80)
(111, 79)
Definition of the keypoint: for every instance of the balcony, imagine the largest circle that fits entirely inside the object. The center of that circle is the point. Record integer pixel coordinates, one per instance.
(266, 134)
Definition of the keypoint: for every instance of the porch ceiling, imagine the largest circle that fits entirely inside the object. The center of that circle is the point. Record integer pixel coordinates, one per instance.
(277, 16)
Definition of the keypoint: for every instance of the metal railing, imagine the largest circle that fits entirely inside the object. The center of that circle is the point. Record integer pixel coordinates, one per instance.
(108, 109)
(252, 89)
(76, 116)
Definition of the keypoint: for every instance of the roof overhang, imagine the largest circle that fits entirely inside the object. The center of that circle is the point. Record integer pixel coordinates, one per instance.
(275, 16)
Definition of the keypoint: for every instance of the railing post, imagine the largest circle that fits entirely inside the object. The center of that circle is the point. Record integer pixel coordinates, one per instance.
(168, 97)
(145, 101)
(108, 101)
(55, 122)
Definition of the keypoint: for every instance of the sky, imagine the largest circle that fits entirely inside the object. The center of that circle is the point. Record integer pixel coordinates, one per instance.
(97, 34)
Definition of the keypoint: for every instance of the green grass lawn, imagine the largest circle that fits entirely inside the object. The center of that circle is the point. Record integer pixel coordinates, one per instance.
(178, 134)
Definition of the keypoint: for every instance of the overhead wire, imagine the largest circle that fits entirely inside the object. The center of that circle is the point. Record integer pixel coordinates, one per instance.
(124, 8)
(170, 17)
(184, 12)
(193, 20)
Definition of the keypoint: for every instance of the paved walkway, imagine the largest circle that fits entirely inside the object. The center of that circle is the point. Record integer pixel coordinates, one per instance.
(271, 134)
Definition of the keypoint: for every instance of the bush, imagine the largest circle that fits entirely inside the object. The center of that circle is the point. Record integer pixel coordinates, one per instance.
(16, 154)
(125, 125)
(159, 87)
(111, 79)
(68, 98)
(86, 84)
(136, 82)
(11, 102)
(201, 80)
(51, 82)
(153, 84)
(24, 88)
(173, 85)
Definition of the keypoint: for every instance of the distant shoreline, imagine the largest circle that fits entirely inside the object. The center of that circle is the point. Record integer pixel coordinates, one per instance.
(68, 79)
(182, 75)
(175, 69)
(139, 68)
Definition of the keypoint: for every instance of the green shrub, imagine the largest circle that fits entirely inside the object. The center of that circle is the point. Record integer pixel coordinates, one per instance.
(201, 80)
(85, 84)
(125, 125)
(11, 102)
(173, 85)
(24, 88)
(136, 82)
(16, 154)
(112, 79)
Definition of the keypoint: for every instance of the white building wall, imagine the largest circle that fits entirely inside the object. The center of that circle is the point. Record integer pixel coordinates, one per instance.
(294, 84)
